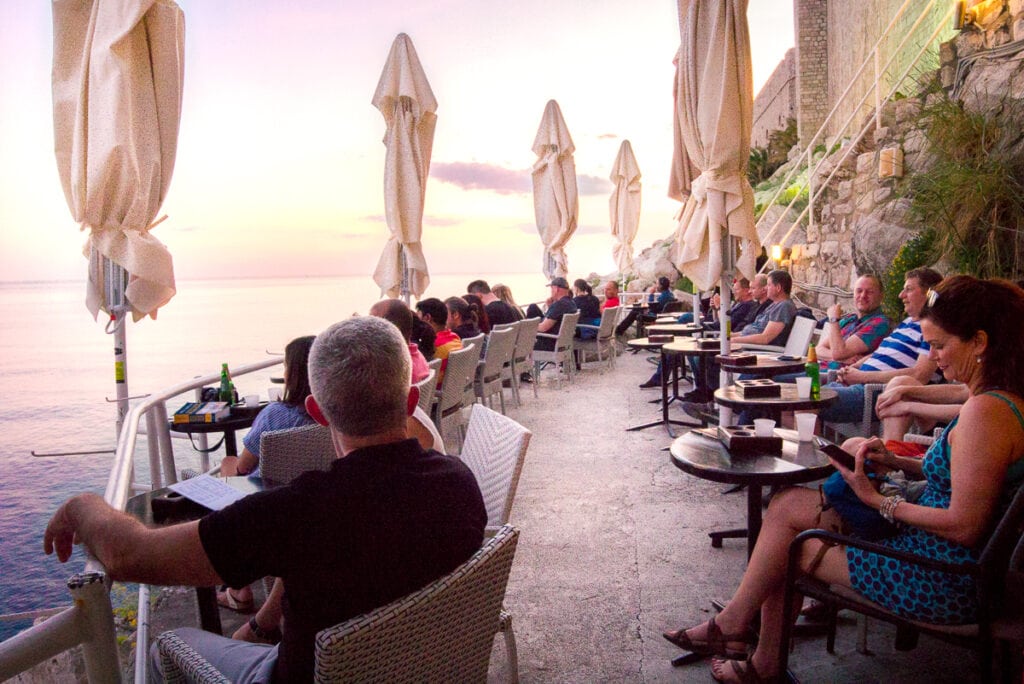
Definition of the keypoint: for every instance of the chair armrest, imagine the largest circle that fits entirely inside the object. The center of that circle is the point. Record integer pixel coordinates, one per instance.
(549, 335)
(584, 325)
(762, 347)
(181, 662)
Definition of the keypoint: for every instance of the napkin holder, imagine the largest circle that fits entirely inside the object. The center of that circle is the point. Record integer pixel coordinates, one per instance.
(741, 439)
(759, 388)
(660, 339)
(738, 359)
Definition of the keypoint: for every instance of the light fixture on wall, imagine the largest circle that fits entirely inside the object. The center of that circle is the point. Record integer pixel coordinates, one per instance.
(776, 253)
(890, 162)
(979, 13)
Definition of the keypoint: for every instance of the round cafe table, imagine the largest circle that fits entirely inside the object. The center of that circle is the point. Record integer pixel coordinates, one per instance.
(766, 366)
(674, 328)
(787, 401)
(707, 458)
(645, 343)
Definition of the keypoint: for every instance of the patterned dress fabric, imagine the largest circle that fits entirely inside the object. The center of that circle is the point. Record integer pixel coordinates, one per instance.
(910, 590)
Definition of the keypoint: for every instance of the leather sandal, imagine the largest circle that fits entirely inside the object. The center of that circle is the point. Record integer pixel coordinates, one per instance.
(716, 643)
(743, 671)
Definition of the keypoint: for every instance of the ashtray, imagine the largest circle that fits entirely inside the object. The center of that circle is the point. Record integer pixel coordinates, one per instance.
(741, 439)
(660, 339)
(708, 344)
(759, 388)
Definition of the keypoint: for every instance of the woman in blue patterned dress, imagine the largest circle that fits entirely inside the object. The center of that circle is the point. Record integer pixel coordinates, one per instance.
(975, 328)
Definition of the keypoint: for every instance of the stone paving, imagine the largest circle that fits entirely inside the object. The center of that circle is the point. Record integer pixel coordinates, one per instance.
(613, 550)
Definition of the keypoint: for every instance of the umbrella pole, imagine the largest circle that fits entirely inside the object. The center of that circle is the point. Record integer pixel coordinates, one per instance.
(405, 279)
(115, 281)
(725, 295)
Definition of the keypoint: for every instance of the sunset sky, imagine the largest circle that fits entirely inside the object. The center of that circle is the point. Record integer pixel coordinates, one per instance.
(280, 161)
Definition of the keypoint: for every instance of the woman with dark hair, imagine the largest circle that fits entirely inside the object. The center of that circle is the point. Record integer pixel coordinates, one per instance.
(974, 328)
(288, 412)
(586, 302)
(477, 305)
(462, 320)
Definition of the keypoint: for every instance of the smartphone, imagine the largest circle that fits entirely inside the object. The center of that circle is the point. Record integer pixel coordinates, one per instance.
(785, 357)
(834, 451)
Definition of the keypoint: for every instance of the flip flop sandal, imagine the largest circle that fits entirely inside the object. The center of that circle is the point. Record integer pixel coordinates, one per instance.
(226, 599)
(716, 643)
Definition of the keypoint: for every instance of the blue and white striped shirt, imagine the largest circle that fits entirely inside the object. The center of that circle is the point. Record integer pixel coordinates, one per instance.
(901, 349)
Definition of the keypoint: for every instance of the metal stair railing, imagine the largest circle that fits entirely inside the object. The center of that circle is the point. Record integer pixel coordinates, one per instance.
(873, 58)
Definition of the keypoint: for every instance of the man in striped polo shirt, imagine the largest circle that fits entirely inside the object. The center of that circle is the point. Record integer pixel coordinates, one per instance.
(904, 352)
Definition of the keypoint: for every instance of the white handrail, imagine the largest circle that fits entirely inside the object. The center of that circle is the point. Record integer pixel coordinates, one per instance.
(809, 151)
(90, 621)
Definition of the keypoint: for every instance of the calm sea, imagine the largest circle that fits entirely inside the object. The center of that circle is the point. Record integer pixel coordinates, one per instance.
(56, 375)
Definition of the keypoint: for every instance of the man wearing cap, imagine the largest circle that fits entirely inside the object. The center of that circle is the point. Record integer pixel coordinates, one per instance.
(559, 304)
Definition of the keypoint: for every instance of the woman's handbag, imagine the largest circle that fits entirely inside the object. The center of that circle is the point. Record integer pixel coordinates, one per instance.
(859, 519)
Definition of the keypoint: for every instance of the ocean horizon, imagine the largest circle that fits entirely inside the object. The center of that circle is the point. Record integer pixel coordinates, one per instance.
(56, 380)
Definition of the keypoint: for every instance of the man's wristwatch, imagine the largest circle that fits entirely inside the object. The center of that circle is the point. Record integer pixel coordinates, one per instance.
(272, 635)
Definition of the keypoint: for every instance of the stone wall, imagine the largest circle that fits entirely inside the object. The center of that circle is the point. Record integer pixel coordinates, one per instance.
(811, 19)
(834, 38)
(776, 102)
(862, 219)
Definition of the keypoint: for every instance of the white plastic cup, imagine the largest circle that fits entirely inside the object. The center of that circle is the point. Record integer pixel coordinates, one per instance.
(252, 400)
(764, 427)
(274, 393)
(805, 423)
(803, 387)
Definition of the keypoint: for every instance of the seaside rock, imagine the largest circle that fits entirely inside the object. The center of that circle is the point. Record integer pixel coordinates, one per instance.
(875, 242)
(990, 82)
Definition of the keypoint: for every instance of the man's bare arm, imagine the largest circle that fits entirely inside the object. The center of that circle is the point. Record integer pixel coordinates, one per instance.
(128, 550)
(922, 370)
(545, 325)
(771, 331)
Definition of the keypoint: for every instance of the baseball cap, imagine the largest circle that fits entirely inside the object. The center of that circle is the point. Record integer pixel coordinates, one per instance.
(559, 282)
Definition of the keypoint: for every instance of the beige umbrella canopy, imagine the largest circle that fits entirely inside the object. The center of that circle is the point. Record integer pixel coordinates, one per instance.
(117, 75)
(555, 198)
(682, 172)
(715, 99)
(405, 99)
(624, 206)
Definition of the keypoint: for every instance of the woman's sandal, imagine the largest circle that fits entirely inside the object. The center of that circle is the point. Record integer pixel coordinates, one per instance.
(716, 643)
(744, 672)
(226, 599)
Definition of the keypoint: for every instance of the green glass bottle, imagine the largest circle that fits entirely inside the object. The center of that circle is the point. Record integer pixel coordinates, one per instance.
(226, 391)
(813, 372)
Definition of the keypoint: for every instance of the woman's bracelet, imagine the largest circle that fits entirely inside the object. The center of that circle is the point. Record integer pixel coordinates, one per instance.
(888, 508)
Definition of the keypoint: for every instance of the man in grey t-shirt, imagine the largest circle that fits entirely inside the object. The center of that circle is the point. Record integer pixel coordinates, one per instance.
(771, 326)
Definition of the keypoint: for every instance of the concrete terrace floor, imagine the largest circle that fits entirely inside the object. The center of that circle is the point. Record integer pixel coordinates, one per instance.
(613, 550)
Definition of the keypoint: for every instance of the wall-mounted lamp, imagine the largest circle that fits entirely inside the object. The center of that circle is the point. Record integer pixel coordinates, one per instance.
(979, 13)
(776, 253)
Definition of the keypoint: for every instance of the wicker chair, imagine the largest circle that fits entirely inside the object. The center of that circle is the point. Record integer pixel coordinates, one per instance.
(442, 633)
(1000, 620)
(427, 386)
(481, 343)
(451, 397)
(603, 341)
(562, 354)
(522, 358)
(868, 424)
(286, 454)
(501, 345)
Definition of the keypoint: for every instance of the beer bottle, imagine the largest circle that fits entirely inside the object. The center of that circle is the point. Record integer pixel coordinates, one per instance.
(226, 391)
(813, 372)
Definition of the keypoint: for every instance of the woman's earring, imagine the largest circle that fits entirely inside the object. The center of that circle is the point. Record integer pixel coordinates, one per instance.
(977, 359)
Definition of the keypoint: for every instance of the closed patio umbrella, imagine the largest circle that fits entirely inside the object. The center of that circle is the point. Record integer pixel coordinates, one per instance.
(117, 87)
(405, 99)
(624, 206)
(715, 100)
(555, 197)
